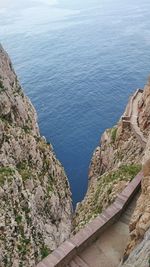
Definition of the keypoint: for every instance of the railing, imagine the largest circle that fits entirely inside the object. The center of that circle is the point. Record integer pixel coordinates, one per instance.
(126, 119)
(85, 237)
(129, 110)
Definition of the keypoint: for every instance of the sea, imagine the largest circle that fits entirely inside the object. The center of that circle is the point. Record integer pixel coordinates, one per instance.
(78, 61)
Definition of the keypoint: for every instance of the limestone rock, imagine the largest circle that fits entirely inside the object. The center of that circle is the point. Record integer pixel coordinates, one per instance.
(36, 206)
(140, 256)
(102, 191)
(144, 110)
(140, 221)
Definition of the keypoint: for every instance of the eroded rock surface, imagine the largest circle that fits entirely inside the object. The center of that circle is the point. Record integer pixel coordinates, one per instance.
(140, 221)
(140, 256)
(144, 110)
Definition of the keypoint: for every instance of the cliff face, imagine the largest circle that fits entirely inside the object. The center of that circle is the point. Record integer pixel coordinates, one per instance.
(114, 163)
(140, 256)
(144, 110)
(102, 191)
(140, 222)
(36, 206)
(139, 243)
(120, 155)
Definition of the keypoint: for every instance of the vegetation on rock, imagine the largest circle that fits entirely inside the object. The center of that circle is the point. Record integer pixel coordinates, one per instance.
(102, 192)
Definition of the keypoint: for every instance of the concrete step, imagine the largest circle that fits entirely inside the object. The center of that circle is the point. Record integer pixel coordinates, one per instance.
(127, 214)
(80, 262)
(125, 219)
(73, 264)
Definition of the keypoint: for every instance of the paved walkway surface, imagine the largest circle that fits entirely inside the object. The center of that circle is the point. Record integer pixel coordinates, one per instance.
(134, 116)
(108, 250)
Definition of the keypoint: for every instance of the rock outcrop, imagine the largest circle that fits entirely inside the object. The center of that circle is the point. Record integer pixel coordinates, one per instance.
(144, 110)
(36, 207)
(102, 192)
(140, 222)
(140, 256)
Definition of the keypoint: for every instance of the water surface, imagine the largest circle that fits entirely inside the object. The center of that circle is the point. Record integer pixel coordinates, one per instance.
(78, 61)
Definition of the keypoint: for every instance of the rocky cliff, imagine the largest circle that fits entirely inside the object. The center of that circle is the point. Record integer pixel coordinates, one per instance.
(140, 256)
(137, 253)
(36, 208)
(121, 153)
(144, 110)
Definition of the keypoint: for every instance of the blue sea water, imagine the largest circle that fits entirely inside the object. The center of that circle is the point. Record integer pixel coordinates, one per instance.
(78, 61)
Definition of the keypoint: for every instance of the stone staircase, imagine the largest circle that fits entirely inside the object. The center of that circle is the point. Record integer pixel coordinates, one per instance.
(100, 243)
(108, 249)
(130, 117)
(77, 262)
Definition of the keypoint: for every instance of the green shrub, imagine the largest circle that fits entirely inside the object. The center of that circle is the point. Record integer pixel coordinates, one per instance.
(2, 87)
(24, 170)
(124, 172)
(18, 219)
(4, 173)
(113, 134)
(106, 183)
(45, 251)
(26, 129)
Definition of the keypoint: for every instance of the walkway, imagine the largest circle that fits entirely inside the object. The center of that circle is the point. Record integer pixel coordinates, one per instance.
(100, 243)
(108, 250)
(134, 118)
(131, 116)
